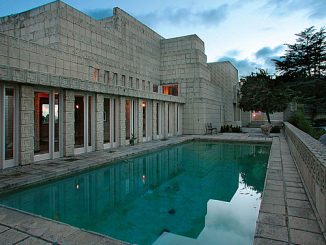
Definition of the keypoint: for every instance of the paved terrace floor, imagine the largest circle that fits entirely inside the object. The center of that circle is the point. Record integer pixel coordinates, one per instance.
(285, 217)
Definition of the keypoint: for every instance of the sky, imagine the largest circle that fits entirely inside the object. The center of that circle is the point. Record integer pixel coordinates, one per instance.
(247, 33)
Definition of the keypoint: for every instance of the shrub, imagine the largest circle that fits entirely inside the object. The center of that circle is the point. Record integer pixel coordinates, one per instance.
(298, 119)
(236, 129)
(319, 132)
(230, 128)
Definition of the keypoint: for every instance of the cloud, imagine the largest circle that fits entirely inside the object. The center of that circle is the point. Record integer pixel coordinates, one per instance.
(262, 58)
(100, 13)
(316, 9)
(244, 66)
(183, 16)
(233, 52)
(267, 52)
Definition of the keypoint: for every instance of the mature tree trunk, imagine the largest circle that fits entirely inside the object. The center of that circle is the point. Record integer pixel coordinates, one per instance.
(268, 117)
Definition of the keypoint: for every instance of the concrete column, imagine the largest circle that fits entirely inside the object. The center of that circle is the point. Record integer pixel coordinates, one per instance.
(149, 118)
(166, 124)
(99, 134)
(26, 125)
(180, 118)
(140, 120)
(154, 117)
(122, 121)
(175, 132)
(68, 122)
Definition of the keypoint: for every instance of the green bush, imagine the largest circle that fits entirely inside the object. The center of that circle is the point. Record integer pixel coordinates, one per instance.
(318, 132)
(230, 128)
(298, 119)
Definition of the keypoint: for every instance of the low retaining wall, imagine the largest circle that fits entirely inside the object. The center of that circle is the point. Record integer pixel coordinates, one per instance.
(310, 157)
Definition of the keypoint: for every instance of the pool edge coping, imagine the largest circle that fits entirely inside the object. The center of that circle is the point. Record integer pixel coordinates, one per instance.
(182, 139)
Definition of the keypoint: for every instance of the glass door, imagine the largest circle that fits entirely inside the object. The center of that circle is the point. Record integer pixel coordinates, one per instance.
(8, 145)
(46, 125)
(107, 123)
(41, 126)
(83, 124)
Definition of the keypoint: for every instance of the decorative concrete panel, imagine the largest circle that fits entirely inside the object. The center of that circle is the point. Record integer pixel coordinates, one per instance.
(310, 157)
(26, 125)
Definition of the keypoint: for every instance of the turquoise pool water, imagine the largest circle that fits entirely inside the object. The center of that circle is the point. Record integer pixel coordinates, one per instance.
(193, 193)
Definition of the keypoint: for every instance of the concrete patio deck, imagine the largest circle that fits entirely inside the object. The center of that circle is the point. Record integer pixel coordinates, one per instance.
(286, 215)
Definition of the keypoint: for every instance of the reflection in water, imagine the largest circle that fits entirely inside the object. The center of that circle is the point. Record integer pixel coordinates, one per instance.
(198, 192)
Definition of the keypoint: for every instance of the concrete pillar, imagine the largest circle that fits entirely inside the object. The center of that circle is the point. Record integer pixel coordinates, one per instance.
(180, 118)
(149, 118)
(99, 129)
(176, 119)
(140, 120)
(166, 124)
(26, 125)
(154, 120)
(122, 121)
(68, 122)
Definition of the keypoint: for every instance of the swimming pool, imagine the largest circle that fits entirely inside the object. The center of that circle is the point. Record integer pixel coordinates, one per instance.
(192, 193)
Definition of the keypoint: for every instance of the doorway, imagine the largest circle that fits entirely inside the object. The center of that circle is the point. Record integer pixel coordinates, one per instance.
(46, 125)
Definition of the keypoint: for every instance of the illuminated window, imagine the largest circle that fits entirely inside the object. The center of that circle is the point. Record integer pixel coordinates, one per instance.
(170, 89)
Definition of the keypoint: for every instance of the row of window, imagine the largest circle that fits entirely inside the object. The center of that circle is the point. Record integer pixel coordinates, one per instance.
(48, 123)
(112, 78)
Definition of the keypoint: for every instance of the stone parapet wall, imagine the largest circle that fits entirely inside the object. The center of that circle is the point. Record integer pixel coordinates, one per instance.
(310, 157)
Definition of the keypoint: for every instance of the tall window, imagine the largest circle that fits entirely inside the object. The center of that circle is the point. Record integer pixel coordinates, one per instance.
(170, 89)
(123, 80)
(106, 120)
(107, 77)
(79, 121)
(9, 111)
(8, 123)
(155, 88)
(131, 83)
(143, 85)
(137, 83)
(115, 78)
(95, 73)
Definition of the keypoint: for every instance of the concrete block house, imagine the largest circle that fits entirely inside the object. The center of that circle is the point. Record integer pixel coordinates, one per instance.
(70, 84)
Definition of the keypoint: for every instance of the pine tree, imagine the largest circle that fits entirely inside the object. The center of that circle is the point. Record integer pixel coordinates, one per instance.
(303, 68)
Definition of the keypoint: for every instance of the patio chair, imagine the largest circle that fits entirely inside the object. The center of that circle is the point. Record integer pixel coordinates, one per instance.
(209, 128)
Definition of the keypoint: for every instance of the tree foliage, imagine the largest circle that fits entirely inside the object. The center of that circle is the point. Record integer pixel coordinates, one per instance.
(261, 92)
(303, 67)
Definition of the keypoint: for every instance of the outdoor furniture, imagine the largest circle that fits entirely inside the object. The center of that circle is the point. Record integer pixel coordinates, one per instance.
(266, 129)
(209, 128)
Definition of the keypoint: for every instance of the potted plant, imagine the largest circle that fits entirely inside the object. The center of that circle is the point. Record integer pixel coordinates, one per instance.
(132, 139)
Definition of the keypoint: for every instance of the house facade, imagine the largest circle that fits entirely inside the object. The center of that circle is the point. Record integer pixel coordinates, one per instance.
(70, 84)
